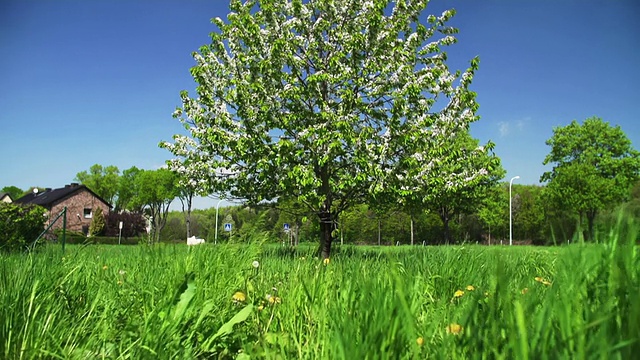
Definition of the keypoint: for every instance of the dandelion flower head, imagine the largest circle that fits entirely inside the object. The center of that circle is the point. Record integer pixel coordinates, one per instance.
(239, 296)
(454, 329)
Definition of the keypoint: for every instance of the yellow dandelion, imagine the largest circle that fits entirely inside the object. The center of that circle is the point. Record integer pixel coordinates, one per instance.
(239, 296)
(105, 267)
(470, 288)
(458, 293)
(261, 307)
(538, 279)
(546, 282)
(326, 261)
(274, 300)
(420, 341)
(454, 329)
(524, 291)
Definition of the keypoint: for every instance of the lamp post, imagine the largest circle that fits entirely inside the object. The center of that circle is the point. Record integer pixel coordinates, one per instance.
(215, 241)
(510, 211)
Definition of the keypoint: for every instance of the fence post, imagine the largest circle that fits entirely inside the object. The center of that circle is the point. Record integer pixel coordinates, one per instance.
(64, 228)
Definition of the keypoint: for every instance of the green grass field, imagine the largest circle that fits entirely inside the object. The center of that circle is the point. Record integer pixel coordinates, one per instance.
(458, 302)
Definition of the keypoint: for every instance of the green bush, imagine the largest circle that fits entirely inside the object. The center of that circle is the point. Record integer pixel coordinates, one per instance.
(20, 225)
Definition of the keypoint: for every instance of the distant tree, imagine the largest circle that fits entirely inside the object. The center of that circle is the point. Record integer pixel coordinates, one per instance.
(101, 180)
(323, 101)
(155, 191)
(594, 167)
(493, 213)
(528, 212)
(127, 190)
(450, 188)
(191, 182)
(13, 191)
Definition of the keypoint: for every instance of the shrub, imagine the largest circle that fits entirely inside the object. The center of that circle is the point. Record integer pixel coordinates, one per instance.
(97, 223)
(20, 225)
(133, 224)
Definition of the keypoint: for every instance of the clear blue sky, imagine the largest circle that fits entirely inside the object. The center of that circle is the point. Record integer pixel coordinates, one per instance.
(86, 82)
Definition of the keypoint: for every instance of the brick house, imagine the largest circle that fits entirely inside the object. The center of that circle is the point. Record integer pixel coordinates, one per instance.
(80, 201)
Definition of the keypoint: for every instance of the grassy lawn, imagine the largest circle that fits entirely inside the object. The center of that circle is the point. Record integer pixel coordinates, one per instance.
(174, 302)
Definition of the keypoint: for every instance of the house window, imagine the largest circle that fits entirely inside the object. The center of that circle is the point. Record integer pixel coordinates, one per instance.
(87, 213)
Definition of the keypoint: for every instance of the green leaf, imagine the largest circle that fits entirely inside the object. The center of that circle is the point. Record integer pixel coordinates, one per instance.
(227, 328)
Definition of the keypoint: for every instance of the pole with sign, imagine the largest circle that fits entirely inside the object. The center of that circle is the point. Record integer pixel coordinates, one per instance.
(120, 234)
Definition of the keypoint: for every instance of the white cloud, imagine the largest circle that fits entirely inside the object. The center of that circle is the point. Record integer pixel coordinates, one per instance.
(503, 127)
(508, 127)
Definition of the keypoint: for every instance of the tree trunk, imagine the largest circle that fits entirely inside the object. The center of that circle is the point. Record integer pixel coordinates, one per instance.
(445, 217)
(579, 229)
(411, 230)
(591, 216)
(447, 231)
(326, 227)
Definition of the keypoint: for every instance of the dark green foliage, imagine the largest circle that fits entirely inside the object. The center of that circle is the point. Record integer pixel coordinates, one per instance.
(20, 225)
(133, 224)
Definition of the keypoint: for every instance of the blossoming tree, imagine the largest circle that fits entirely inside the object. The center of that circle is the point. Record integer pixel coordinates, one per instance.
(331, 102)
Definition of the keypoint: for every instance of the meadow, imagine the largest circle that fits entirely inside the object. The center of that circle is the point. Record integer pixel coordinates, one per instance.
(264, 301)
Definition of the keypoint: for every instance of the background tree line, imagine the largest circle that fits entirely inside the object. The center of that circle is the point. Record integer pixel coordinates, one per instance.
(594, 178)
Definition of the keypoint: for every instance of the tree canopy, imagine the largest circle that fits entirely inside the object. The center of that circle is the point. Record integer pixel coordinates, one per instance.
(101, 180)
(331, 102)
(594, 166)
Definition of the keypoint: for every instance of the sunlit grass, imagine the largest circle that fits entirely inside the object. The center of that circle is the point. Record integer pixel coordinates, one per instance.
(234, 301)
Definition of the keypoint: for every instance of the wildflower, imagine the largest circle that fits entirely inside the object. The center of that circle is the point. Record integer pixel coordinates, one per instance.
(458, 293)
(470, 288)
(122, 272)
(542, 280)
(326, 261)
(273, 299)
(302, 258)
(454, 329)
(255, 264)
(105, 267)
(420, 341)
(239, 296)
(524, 291)
(261, 307)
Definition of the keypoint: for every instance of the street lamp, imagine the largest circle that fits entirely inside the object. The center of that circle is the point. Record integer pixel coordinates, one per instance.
(215, 241)
(510, 211)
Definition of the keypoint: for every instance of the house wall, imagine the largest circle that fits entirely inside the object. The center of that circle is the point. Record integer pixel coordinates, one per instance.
(76, 205)
(6, 199)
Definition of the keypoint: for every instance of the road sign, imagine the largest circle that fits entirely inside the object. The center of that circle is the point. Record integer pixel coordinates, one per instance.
(286, 227)
(227, 227)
